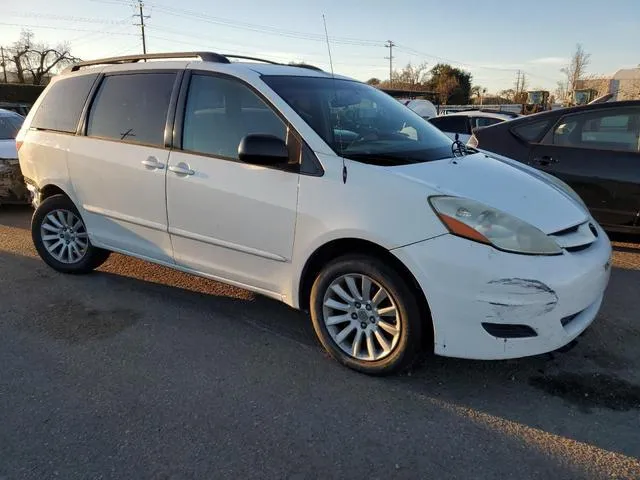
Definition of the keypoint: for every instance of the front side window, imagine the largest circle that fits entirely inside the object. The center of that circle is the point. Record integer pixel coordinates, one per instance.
(605, 130)
(61, 107)
(220, 112)
(132, 108)
(361, 122)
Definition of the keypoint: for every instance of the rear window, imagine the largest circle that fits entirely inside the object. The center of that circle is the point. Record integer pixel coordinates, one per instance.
(132, 108)
(531, 132)
(479, 122)
(9, 126)
(452, 124)
(61, 107)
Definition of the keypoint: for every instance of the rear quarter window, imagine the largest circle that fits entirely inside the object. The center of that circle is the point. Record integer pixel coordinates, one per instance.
(62, 105)
(533, 131)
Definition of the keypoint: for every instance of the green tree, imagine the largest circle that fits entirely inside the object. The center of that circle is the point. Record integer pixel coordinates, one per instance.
(452, 85)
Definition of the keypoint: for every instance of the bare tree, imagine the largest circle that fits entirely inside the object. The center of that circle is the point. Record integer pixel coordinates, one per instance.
(410, 77)
(561, 91)
(509, 94)
(34, 62)
(478, 92)
(577, 67)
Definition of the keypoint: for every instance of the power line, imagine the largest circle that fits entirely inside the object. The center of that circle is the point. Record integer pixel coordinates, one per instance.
(269, 30)
(57, 27)
(278, 57)
(70, 18)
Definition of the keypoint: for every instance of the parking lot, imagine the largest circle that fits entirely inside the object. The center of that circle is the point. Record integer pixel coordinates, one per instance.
(138, 371)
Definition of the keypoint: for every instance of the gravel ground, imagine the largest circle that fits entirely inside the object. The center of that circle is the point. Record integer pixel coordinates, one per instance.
(137, 371)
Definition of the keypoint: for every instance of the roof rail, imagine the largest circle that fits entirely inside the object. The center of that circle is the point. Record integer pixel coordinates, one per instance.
(204, 56)
(306, 65)
(243, 57)
(301, 65)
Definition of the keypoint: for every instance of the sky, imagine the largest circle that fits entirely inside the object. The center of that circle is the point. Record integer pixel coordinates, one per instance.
(492, 39)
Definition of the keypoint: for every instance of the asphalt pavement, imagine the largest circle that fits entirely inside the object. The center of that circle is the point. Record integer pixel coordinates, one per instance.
(140, 372)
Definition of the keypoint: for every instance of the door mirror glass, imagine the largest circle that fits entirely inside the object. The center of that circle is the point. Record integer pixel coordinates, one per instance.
(261, 149)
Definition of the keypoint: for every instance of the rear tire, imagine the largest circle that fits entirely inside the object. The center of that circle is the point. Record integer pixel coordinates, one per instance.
(366, 316)
(61, 238)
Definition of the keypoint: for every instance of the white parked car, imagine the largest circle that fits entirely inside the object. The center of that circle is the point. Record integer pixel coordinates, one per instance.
(300, 186)
(422, 107)
(463, 123)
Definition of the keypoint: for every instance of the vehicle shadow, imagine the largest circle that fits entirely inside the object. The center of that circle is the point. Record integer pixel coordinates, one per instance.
(628, 238)
(16, 216)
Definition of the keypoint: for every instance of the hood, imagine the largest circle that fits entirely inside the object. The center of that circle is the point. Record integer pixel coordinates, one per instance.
(501, 186)
(8, 149)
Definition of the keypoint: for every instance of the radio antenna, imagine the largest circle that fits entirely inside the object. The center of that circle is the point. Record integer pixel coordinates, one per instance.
(326, 34)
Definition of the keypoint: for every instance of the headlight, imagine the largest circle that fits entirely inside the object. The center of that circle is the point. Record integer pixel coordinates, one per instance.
(475, 221)
(564, 187)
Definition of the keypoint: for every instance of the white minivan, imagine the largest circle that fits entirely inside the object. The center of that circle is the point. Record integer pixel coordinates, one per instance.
(316, 190)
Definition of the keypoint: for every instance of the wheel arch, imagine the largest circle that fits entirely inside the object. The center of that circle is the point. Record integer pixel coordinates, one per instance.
(50, 190)
(344, 246)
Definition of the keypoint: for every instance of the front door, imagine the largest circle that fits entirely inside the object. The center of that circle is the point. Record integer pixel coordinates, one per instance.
(229, 219)
(597, 153)
(118, 169)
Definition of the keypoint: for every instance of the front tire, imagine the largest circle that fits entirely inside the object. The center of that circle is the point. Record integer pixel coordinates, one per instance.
(366, 315)
(61, 238)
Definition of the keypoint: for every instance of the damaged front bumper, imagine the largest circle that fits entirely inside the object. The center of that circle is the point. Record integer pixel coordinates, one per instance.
(488, 304)
(13, 188)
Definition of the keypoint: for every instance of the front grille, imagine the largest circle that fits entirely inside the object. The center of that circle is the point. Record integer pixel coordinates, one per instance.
(509, 330)
(576, 238)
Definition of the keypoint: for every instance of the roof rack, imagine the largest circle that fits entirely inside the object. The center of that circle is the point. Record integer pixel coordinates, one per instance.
(243, 57)
(204, 56)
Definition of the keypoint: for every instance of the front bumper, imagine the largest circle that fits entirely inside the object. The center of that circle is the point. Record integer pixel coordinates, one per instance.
(467, 284)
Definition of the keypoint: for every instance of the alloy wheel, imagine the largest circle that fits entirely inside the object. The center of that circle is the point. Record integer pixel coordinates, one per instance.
(361, 317)
(64, 235)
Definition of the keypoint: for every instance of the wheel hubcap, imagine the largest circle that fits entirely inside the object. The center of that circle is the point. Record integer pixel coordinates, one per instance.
(361, 317)
(64, 236)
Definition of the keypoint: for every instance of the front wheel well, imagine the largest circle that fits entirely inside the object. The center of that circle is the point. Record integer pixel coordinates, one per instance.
(51, 190)
(345, 246)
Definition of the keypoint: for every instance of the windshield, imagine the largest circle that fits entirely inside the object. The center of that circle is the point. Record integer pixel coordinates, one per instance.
(9, 126)
(360, 122)
(534, 98)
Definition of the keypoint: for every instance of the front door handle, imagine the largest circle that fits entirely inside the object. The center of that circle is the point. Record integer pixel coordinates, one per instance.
(545, 160)
(181, 169)
(152, 163)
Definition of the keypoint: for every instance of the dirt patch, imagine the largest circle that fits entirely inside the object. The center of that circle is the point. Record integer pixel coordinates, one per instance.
(74, 322)
(591, 390)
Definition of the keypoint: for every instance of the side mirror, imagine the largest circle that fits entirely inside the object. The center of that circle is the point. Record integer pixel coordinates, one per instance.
(260, 149)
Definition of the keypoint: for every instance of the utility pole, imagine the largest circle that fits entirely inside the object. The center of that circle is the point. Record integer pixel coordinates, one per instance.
(390, 46)
(518, 82)
(141, 25)
(4, 65)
